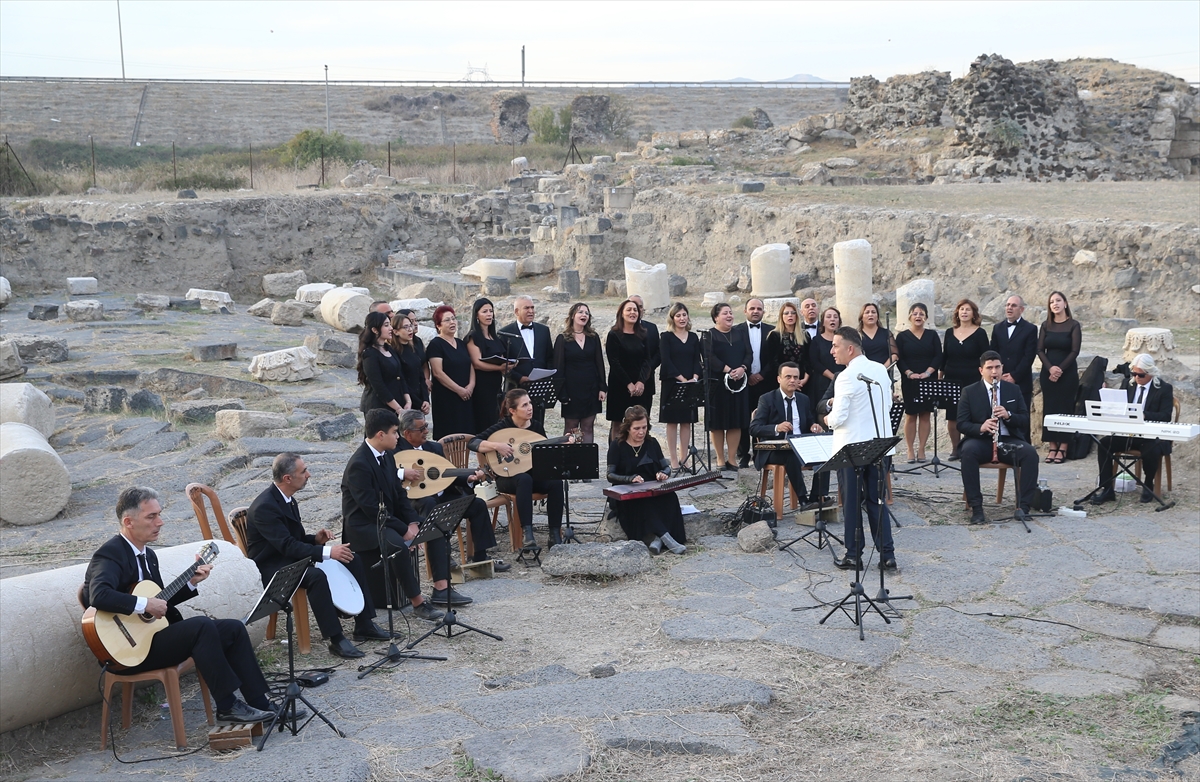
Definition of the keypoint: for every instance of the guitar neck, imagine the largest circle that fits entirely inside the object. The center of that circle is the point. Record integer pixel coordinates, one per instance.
(170, 590)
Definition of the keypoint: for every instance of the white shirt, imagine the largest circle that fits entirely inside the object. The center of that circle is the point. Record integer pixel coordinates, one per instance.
(527, 335)
(1139, 396)
(811, 328)
(755, 346)
(850, 416)
(1012, 325)
(795, 420)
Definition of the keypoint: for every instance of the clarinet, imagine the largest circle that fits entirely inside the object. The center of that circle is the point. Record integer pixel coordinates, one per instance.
(996, 431)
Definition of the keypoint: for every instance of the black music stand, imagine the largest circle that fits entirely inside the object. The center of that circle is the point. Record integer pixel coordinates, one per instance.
(543, 395)
(936, 391)
(278, 597)
(443, 520)
(858, 456)
(566, 462)
(687, 395)
(820, 528)
(393, 655)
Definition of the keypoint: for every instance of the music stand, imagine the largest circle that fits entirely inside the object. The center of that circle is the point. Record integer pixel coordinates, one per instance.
(566, 462)
(687, 395)
(543, 393)
(820, 528)
(442, 520)
(278, 597)
(936, 391)
(858, 456)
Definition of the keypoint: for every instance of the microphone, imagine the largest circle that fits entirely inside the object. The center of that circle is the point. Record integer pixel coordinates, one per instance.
(866, 379)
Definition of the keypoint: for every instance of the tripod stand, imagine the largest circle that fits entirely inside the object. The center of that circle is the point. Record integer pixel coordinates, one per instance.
(393, 654)
(566, 462)
(443, 520)
(813, 449)
(278, 597)
(686, 396)
(936, 391)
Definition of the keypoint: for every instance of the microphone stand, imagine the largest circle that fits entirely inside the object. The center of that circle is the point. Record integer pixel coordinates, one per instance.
(883, 596)
(393, 654)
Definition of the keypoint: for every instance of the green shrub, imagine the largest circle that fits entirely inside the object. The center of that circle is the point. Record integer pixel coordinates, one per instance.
(201, 180)
(744, 122)
(549, 126)
(680, 160)
(308, 145)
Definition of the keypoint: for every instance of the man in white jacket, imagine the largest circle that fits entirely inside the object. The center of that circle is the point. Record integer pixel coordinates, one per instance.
(861, 411)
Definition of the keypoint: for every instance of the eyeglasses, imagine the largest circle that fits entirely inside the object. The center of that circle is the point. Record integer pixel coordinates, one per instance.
(1139, 374)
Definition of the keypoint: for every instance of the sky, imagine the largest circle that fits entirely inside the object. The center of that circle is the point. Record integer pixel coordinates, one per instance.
(579, 41)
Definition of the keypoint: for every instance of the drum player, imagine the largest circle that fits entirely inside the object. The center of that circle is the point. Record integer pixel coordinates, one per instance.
(275, 538)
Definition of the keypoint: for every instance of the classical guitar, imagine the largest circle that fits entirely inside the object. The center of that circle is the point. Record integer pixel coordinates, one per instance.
(439, 472)
(123, 640)
(522, 442)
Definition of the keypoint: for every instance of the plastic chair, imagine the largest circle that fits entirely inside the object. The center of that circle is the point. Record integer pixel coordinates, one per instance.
(299, 599)
(169, 677)
(196, 492)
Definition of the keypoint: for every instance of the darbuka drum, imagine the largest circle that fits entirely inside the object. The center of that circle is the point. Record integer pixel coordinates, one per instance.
(347, 595)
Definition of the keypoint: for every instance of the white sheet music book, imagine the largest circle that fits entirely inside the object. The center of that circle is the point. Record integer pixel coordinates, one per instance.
(1113, 395)
(539, 374)
(812, 448)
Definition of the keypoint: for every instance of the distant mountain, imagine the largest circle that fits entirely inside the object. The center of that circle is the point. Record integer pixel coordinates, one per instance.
(799, 77)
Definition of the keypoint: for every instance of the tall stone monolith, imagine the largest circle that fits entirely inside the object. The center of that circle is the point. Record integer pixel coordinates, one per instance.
(852, 277)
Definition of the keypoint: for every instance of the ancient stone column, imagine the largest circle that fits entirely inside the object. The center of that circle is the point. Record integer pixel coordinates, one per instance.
(1159, 344)
(652, 283)
(345, 309)
(771, 270)
(34, 484)
(24, 403)
(289, 365)
(907, 295)
(852, 277)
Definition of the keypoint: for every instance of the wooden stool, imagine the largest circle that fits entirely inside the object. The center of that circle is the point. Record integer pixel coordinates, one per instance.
(1003, 468)
(169, 677)
(514, 519)
(779, 477)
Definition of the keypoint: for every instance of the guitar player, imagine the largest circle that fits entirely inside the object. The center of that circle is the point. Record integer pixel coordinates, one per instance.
(221, 648)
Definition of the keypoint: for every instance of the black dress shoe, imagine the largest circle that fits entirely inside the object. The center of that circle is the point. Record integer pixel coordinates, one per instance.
(953, 457)
(1108, 495)
(301, 712)
(888, 564)
(438, 597)
(556, 538)
(371, 632)
(1148, 496)
(343, 648)
(848, 563)
(427, 612)
(500, 566)
(977, 516)
(240, 712)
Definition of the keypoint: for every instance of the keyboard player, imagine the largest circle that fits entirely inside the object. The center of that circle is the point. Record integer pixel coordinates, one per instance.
(636, 457)
(1157, 399)
(782, 414)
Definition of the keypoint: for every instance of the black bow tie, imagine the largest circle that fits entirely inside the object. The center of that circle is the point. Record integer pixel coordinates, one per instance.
(527, 328)
(755, 325)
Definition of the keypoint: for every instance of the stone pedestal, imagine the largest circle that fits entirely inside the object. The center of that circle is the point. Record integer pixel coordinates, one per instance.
(1159, 344)
(313, 292)
(652, 283)
(345, 309)
(45, 604)
(852, 277)
(289, 365)
(82, 286)
(917, 291)
(771, 270)
(85, 311)
(24, 403)
(211, 301)
(34, 484)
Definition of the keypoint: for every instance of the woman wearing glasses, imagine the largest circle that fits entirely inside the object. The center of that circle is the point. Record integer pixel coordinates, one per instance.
(411, 350)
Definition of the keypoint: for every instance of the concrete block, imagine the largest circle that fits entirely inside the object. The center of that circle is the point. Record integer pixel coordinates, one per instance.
(34, 483)
(85, 311)
(25, 403)
(313, 291)
(595, 286)
(82, 286)
(283, 283)
(214, 351)
(233, 424)
(652, 283)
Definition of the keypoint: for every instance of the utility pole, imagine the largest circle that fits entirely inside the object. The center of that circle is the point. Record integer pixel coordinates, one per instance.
(326, 100)
(522, 66)
(121, 38)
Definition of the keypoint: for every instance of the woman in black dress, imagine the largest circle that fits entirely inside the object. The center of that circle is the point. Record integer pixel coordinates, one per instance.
(1058, 346)
(728, 411)
(822, 369)
(453, 377)
(680, 352)
(516, 412)
(962, 346)
(878, 344)
(379, 371)
(629, 365)
(635, 457)
(411, 350)
(483, 343)
(579, 372)
(920, 355)
(786, 343)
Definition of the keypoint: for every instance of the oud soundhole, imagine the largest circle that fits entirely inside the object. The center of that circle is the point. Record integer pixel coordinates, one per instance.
(525, 448)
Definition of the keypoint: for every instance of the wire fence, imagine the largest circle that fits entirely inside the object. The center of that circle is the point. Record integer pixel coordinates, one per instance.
(446, 83)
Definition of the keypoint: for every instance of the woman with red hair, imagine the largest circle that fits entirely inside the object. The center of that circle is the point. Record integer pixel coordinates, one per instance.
(453, 377)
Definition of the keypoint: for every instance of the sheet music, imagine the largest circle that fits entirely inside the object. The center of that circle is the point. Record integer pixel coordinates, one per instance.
(1112, 395)
(812, 448)
(541, 374)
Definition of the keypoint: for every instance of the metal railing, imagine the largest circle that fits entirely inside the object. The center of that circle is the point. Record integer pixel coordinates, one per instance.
(444, 83)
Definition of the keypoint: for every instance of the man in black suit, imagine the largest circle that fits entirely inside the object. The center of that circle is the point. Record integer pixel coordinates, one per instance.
(371, 472)
(221, 648)
(1157, 399)
(414, 433)
(1015, 339)
(781, 414)
(753, 333)
(275, 538)
(983, 407)
(534, 347)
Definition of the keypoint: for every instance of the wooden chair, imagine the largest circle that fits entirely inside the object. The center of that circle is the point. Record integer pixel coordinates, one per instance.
(1166, 462)
(514, 518)
(1003, 468)
(299, 599)
(455, 448)
(169, 678)
(196, 492)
